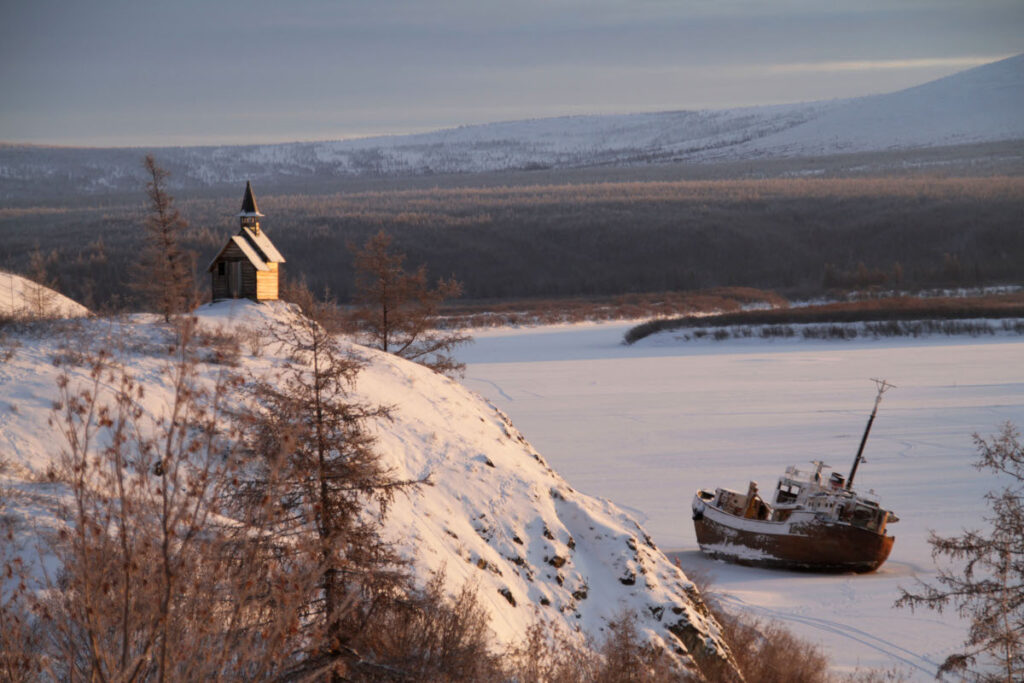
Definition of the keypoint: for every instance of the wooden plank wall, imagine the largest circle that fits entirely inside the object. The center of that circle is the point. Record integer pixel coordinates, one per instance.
(257, 285)
(266, 283)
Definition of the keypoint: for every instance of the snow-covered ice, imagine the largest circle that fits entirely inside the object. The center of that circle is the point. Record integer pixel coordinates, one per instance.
(647, 425)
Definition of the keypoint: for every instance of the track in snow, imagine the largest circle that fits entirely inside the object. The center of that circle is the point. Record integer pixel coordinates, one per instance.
(886, 647)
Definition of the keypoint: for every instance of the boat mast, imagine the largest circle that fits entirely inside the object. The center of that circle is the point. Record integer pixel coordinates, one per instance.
(883, 386)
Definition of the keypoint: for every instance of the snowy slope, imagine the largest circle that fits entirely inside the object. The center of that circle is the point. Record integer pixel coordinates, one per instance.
(495, 515)
(21, 298)
(979, 105)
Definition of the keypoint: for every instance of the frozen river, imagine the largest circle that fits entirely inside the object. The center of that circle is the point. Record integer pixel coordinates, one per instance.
(647, 425)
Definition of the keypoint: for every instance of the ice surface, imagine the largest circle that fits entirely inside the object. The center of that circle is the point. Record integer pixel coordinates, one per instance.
(647, 425)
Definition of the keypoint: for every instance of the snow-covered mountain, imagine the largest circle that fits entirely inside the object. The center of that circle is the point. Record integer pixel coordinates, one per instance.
(978, 105)
(495, 514)
(983, 104)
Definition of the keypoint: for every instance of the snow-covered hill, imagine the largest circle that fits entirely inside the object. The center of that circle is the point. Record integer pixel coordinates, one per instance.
(979, 105)
(22, 298)
(495, 514)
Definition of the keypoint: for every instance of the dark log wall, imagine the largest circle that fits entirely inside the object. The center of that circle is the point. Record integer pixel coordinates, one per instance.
(256, 285)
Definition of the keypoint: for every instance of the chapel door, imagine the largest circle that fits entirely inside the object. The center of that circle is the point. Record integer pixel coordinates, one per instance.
(235, 279)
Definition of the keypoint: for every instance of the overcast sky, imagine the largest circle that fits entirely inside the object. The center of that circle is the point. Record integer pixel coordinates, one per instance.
(182, 72)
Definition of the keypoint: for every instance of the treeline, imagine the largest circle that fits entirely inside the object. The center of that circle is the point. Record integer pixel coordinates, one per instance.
(797, 236)
(496, 313)
(865, 330)
(887, 316)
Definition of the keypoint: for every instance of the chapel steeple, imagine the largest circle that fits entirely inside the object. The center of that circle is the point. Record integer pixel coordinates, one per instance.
(250, 215)
(249, 265)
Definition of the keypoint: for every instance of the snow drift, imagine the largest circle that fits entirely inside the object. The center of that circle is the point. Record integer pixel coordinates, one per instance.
(21, 298)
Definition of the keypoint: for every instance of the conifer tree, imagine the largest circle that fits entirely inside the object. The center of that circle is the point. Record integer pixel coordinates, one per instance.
(40, 296)
(985, 583)
(320, 490)
(164, 275)
(398, 311)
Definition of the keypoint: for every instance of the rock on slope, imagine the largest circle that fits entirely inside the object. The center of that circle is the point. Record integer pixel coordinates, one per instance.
(494, 514)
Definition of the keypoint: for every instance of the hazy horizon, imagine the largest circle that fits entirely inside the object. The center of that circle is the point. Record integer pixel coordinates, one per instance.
(132, 74)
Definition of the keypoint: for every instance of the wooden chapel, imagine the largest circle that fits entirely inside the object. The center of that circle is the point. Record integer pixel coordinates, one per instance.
(248, 266)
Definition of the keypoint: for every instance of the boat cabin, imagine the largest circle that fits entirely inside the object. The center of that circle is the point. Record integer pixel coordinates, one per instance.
(804, 490)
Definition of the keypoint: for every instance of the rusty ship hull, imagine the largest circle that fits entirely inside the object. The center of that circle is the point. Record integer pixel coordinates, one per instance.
(803, 542)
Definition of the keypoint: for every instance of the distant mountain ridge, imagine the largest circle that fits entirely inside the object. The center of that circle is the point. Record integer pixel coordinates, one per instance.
(982, 104)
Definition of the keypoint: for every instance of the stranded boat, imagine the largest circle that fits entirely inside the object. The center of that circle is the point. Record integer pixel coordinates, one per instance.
(811, 524)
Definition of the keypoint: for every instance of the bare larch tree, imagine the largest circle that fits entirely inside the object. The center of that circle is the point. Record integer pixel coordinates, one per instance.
(397, 310)
(320, 489)
(164, 275)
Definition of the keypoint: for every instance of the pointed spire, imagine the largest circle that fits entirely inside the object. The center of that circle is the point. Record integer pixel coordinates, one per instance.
(249, 203)
(249, 216)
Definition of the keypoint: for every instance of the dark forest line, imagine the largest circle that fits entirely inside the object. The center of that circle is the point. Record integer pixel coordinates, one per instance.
(596, 239)
(59, 176)
(884, 310)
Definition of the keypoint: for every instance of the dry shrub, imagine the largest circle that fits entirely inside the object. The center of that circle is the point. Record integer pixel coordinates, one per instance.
(859, 675)
(625, 657)
(252, 339)
(323, 309)
(766, 651)
(21, 657)
(219, 346)
(431, 636)
(147, 587)
(548, 653)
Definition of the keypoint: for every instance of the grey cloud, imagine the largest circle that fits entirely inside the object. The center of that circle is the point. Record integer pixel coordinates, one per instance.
(90, 71)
